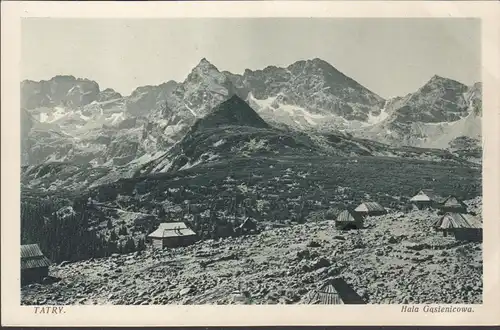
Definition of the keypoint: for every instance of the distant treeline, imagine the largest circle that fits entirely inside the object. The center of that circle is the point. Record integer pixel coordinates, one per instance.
(66, 237)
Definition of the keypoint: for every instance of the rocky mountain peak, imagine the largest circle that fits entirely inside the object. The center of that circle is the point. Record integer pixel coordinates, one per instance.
(321, 64)
(439, 100)
(171, 84)
(308, 95)
(64, 78)
(207, 75)
(477, 85)
(61, 90)
(437, 77)
(204, 62)
(109, 94)
(437, 81)
(315, 65)
(232, 112)
(204, 66)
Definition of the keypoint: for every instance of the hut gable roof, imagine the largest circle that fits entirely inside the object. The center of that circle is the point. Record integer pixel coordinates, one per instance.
(30, 251)
(172, 229)
(334, 292)
(33, 257)
(458, 220)
(349, 216)
(453, 201)
(172, 225)
(427, 195)
(370, 207)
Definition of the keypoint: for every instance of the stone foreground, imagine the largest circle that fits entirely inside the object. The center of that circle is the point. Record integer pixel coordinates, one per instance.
(397, 259)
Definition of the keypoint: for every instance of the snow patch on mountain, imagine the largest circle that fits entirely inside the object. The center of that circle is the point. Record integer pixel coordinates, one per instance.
(192, 111)
(310, 96)
(444, 133)
(270, 107)
(376, 119)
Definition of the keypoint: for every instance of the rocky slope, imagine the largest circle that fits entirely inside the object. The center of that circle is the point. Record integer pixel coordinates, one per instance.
(231, 130)
(311, 89)
(73, 121)
(439, 112)
(68, 119)
(60, 90)
(396, 259)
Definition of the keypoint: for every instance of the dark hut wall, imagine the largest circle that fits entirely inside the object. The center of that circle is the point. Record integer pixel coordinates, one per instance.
(157, 243)
(345, 225)
(422, 205)
(349, 219)
(468, 234)
(31, 275)
(172, 242)
(454, 208)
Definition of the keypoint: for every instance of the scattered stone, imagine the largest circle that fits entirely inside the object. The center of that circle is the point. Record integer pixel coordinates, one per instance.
(185, 291)
(272, 268)
(392, 240)
(313, 244)
(320, 263)
(321, 271)
(303, 254)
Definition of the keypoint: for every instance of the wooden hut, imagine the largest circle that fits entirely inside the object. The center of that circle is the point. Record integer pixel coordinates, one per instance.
(334, 292)
(427, 198)
(453, 204)
(172, 234)
(370, 209)
(348, 219)
(464, 227)
(34, 264)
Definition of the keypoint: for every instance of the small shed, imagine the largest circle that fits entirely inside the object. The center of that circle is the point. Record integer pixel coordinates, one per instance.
(370, 209)
(34, 264)
(465, 227)
(427, 198)
(172, 235)
(348, 219)
(453, 204)
(334, 292)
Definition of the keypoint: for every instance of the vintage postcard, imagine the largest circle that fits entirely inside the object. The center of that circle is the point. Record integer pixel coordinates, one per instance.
(239, 163)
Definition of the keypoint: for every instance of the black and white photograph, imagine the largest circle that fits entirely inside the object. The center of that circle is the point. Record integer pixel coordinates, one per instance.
(260, 161)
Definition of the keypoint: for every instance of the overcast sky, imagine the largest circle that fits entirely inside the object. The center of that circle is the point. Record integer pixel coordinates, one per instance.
(391, 57)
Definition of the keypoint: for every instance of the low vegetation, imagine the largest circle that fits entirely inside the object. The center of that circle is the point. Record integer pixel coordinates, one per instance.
(214, 199)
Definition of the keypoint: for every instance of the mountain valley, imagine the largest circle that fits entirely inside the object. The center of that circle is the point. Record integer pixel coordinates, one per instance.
(287, 147)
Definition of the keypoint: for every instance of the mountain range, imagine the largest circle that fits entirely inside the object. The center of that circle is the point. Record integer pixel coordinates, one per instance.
(287, 148)
(68, 119)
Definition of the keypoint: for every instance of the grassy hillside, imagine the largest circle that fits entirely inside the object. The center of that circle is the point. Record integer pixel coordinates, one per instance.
(287, 188)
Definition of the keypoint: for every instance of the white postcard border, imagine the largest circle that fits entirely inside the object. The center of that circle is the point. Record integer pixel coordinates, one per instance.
(205, 315)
